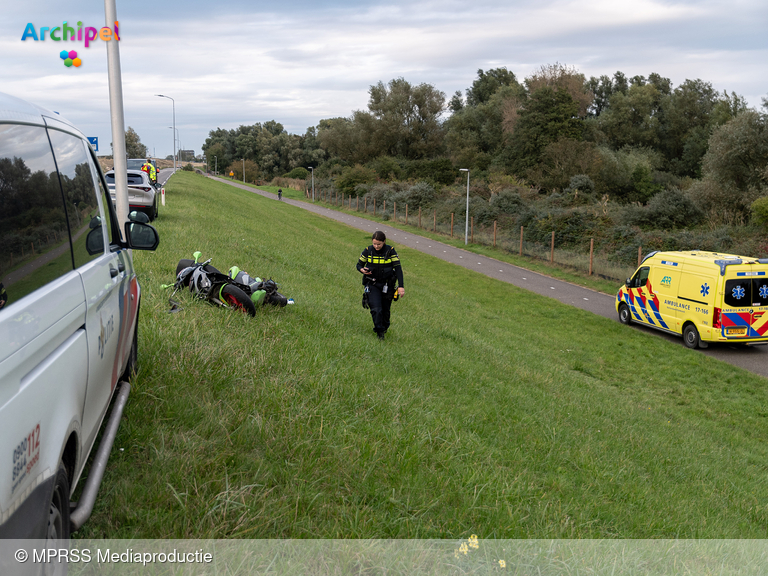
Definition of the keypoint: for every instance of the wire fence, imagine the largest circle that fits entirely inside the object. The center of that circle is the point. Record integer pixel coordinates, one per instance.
(512, 241)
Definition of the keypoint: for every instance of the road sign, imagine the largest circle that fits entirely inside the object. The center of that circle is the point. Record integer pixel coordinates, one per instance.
(94, 142)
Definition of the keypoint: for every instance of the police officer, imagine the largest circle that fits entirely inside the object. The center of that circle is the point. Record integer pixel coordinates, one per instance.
(149, 168)
(380, 267)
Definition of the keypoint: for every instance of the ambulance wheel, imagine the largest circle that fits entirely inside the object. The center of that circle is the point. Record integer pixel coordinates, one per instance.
(625, 317)
(691, 337)
(238, 299)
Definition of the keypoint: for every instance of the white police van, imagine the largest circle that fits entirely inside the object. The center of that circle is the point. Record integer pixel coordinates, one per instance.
(69, 305)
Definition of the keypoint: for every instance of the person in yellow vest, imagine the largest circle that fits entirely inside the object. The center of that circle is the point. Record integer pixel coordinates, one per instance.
(152, 172)
(149, 168)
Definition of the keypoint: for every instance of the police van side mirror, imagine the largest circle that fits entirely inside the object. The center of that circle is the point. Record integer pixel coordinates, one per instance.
(136, 216)
(141, 236)
(94, 241)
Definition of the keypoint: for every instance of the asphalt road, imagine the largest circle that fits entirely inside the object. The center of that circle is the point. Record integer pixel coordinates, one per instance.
(752, 358)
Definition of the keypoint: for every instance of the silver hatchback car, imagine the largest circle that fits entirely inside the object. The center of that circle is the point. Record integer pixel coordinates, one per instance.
(142, 194)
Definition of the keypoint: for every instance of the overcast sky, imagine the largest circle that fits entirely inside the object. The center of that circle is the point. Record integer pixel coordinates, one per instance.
(240, 62)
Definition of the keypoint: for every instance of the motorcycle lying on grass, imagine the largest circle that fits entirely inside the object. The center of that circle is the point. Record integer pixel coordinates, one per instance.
(237, 289)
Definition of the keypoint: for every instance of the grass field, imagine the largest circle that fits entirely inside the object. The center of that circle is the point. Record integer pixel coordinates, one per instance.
(488, 410)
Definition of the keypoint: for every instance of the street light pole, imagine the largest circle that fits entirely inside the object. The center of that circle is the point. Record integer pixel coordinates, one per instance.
(175, 139)
(313, 182)
(174, 127)
(466, 224)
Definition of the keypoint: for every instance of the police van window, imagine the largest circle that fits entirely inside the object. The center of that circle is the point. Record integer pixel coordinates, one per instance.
(33, 226)
(641, 277)
(80, 194)
(738, 293)
(105, 198)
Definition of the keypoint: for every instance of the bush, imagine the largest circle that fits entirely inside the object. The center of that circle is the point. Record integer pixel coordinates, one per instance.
(580, 191)
(440, 171)
(420, 194)
(479, 209)
(386, 168)
(188, 168)
(507, 202)
(759, 210)
(351, 177)
(297, 173)
(669, 209)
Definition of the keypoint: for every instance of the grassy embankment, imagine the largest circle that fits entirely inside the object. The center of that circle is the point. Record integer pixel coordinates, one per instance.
(567, 273)
(488, 409)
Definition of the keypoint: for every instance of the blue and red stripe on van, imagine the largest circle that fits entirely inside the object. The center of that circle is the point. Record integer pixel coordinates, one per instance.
(638, 300)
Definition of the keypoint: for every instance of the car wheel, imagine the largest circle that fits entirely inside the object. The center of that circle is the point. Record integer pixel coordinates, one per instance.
(625, 316)
(58, 531)
(691, 337)
(239, 300)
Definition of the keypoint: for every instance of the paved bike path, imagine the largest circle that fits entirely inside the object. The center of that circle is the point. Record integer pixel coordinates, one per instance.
(752, 358)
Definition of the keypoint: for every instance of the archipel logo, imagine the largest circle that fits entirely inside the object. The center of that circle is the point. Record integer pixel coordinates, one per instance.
(666, 281)
(68, 33)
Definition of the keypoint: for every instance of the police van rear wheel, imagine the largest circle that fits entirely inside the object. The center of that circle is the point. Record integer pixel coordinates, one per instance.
(691, 336)
(624, 315)
(58, 531)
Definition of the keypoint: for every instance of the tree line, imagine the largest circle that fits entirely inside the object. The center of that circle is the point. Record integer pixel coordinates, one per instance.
(603, 140)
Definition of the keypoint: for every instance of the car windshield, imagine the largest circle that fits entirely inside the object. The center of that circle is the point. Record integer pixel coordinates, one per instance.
(133, 164)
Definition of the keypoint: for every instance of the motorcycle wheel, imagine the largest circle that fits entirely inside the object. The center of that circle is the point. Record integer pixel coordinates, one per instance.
(185, 263)
(237, 299)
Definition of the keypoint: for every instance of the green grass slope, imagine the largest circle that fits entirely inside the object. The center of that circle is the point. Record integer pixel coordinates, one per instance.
(488, 409)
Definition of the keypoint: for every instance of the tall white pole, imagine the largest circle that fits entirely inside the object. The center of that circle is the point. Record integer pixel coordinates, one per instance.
(466, 224)
(174, 127)
(117, 117)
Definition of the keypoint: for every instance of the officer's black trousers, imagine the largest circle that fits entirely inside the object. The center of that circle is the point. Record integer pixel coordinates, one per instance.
(380, 304)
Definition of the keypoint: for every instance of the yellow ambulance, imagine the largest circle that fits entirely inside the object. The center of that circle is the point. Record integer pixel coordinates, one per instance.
(704, 296)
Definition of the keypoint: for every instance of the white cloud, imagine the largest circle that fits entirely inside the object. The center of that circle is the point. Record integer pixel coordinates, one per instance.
(298, 62)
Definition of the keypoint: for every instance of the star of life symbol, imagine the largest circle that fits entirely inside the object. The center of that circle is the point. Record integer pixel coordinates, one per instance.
(738, 292)
(764, 291)
(705, 289)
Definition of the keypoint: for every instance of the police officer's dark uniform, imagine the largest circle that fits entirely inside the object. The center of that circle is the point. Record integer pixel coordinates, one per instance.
(385, 268)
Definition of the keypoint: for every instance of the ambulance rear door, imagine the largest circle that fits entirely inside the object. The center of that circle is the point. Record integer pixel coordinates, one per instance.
(745, 302)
